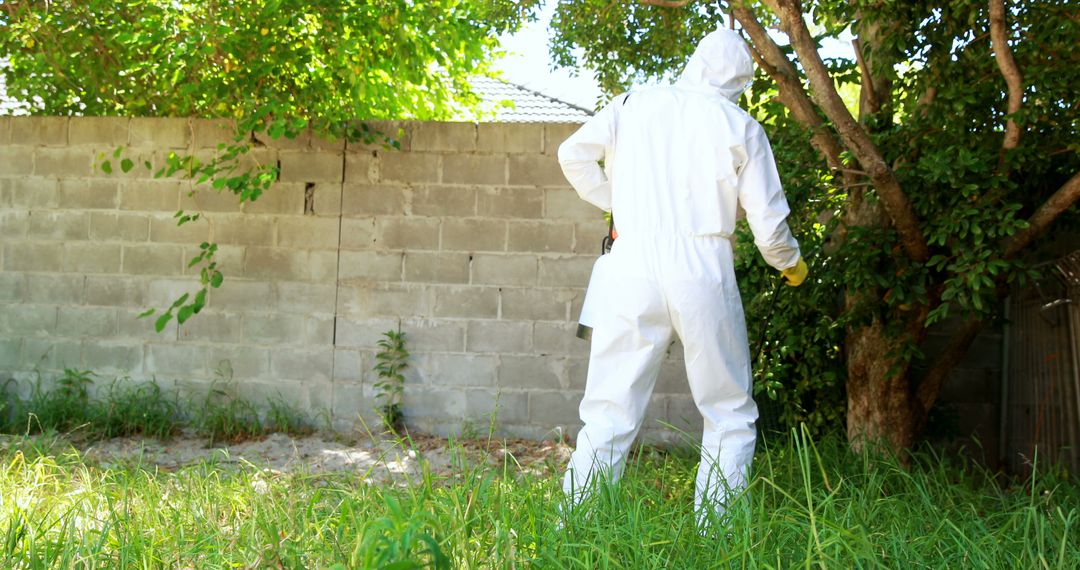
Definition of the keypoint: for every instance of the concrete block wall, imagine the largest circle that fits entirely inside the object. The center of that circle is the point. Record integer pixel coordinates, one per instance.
(468, 239)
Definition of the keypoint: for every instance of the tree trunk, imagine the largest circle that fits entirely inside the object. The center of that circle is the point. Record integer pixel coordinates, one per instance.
(882, 410)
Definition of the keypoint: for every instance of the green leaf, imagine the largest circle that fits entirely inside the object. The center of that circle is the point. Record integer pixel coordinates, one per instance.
(162, 321)
(126, 165)
(146, 313)
(106, 167)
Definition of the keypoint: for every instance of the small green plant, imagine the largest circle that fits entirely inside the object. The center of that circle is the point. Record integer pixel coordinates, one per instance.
(391, 385)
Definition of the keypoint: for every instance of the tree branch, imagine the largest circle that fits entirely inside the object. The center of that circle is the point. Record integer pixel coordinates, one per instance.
(1055, 205)
(868, 95)
(897, 204)
(666, 3)
(772, 59)
(999, 44)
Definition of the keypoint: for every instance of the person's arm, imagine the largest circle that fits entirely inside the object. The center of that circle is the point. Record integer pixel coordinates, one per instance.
(579, 156)
(762, 197)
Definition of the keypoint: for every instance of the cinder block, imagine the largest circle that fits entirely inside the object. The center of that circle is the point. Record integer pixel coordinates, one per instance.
(398, 166)
(302, 364)
(151, 195)
(535, 170)
(510, 137)
(555, 134)
(672, 378)
(109, 131)
(322, 266)
(275, 264)
(499, 336)
(530, 372)
(433, 404)
(444, 137)
(427, 335)
(448, 201)
(363, 332)
(63, 162)
(160, 132)
(242, 361)
(371, 265)
(441, 267)
(12, 287)
(164, 229)
(541, 237)
(442, 369)
(473, 169)
(577, 371)
(110, 226)
(566, 271)
(89, 194)
(326, 200)
(273, 329)
(504, 407)
(14, 224)
(31, 192)
(59, 289)
(205, 198)
(183, 360)
(367, 200)
(323, 166)
(50, 131)
(531, 304)
(28, 320)
(52, 353)
(473, 234)
(385, 300)
(10, 354)
(154, 259)
(32, 256)
(407, 233)
(683, 415)
(243, 229)
(281, 198)
(348, 365)
(510, 203)
(241, 295)
(5, 130)
(305, 298)
(565, 204)
(91, 257)
(558, 339)
(319, 330)
(467, 302)
(62, 225)
(554, 408)
(106, 357)
(361, 167)
(589, 235)
(509, 269)
(211, 327)
(113, 291)
(162, 292)
(18, 160)
(357, 233)
(130, 325)
(308, 232)
(209, 133)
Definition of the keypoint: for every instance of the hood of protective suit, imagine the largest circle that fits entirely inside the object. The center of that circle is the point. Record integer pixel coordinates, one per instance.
(722, 63)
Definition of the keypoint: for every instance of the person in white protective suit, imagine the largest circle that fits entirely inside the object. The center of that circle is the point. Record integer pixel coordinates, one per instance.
(681, 163)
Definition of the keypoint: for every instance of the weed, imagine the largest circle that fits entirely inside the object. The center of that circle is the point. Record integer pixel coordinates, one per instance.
(391, 385)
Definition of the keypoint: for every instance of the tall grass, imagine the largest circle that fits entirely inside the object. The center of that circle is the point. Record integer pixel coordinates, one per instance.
(808, 506)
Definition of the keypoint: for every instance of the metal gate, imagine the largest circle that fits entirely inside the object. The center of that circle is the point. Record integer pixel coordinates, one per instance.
(1041, 391)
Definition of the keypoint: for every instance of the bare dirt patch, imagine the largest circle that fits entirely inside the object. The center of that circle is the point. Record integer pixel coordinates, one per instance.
(376, 460)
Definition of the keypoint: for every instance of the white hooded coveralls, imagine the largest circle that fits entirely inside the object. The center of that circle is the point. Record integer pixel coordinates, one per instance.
(681, 162)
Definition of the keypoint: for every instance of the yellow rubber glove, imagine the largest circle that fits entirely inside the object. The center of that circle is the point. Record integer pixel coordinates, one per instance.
(797, 274)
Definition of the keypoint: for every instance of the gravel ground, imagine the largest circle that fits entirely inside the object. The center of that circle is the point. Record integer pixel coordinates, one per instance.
(377, 461)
